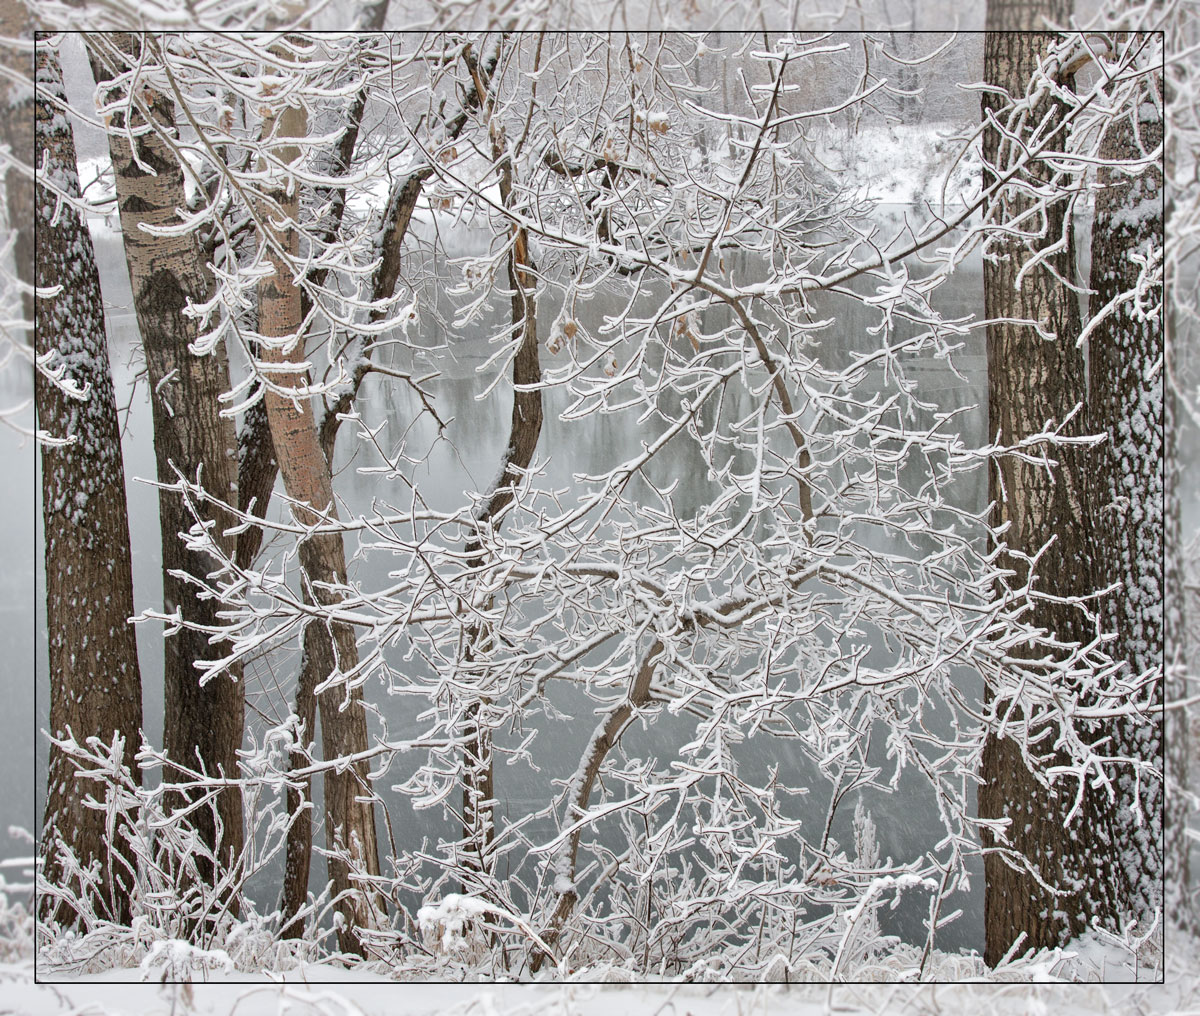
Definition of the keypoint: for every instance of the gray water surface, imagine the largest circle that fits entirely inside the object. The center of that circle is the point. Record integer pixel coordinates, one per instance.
(907, 820)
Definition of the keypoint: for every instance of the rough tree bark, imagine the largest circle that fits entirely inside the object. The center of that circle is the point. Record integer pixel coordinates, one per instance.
(95, 683)
(203, 726)
(1125, 382)
(330, 648)
(1033, 380)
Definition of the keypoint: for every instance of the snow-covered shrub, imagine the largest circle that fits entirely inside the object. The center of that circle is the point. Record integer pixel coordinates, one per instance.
(454, 927)
(465, 929)
(172, 903)
(175, 961)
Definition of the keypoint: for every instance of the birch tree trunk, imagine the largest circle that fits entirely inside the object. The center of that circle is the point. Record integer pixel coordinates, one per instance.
(1034, 383)
(95, 683)
(203, 726)
(394, 227)
(330, 649)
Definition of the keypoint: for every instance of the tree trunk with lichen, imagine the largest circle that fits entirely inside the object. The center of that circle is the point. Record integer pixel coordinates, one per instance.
(1125, 383)
(95, 682)
(1035, 382)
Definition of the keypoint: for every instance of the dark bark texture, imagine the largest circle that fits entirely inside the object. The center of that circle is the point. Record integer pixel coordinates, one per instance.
(203, 726)
(1034, 381)
(257, 472)
(1026, 16)
(95, 683)
(1126, 402)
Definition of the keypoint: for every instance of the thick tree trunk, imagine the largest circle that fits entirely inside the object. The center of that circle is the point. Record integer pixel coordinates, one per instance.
(1125, 384)
(95, 683)
(1025, 16)
(1032, 381)
(330, 648)
(203, 726)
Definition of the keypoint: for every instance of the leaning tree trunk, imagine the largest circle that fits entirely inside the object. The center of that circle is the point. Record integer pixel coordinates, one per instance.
(1125, 383)
(203, 726)
(330, 648)
(479, 775)
(95, 683)
(1034, 383)
(393, 228)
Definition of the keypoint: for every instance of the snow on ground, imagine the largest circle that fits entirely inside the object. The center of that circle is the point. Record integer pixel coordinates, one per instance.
(322, 989)
(310, 993)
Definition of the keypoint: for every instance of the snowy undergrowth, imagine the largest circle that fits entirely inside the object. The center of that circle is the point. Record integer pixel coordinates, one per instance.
(113, 971)
(321, 989)
(457, 936)
(457, 951)
(250, 952)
